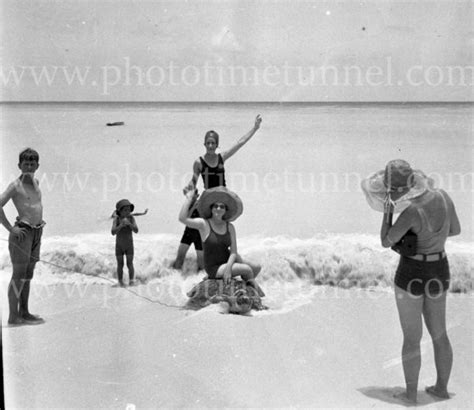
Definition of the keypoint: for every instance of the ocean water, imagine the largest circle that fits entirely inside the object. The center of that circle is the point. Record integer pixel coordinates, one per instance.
(299, 178)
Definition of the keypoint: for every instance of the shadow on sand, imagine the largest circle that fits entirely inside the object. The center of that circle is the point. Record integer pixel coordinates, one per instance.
(387, 395)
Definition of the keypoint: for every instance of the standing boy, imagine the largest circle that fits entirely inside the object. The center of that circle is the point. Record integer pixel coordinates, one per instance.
(25, 236)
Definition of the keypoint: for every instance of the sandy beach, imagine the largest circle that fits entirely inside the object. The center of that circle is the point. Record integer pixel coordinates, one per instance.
(104, 347)
(341, 88)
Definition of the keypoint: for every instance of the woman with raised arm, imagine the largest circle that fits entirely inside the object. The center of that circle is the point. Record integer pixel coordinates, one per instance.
(211, 168)
(218, 207)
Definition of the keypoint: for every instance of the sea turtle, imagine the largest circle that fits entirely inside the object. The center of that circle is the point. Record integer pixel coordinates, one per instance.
(240, 297)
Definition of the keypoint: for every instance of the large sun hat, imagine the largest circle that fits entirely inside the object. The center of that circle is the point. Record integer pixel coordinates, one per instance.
(233, 203)
(397, 176)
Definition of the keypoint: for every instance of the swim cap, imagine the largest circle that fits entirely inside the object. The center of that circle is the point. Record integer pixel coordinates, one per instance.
(212, 134)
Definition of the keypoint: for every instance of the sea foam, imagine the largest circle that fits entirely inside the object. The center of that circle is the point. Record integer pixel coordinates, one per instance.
(339, 260)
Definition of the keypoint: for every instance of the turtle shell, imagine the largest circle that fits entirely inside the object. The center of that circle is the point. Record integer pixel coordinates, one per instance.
(200, 295)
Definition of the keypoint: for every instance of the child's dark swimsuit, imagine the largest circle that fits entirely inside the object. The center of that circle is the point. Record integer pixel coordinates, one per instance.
(124, 240)
(216, 251)
(211, 177)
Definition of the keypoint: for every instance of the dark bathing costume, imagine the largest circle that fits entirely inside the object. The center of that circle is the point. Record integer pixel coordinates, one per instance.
(211, 177)
(419, 277)
(216, 250)
(124, 240)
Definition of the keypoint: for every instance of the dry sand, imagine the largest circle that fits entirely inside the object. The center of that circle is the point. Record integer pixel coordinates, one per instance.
(120, 351)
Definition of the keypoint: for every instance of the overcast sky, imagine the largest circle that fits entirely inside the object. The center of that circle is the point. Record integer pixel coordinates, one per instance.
(134, 50)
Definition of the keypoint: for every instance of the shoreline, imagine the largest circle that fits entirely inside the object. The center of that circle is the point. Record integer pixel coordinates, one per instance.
(341, 348)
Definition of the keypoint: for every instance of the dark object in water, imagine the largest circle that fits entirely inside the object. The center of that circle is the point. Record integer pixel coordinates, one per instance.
(213, 290)
(113, 124)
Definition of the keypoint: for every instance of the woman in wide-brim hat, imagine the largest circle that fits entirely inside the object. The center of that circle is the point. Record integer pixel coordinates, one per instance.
(217, 207)
(422, 279)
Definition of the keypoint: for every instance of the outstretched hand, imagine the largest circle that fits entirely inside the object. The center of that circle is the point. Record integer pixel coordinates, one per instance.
(258, 121)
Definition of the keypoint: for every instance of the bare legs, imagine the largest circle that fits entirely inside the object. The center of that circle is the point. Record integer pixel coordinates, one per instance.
(247, 271)
(434, 312)
(131, 269)
(182, 251)
(411, 308)
(19, 294)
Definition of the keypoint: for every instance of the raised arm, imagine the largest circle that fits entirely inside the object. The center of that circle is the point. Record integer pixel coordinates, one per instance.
(242, 141)
(391, 234)
(184, 214)
(197, 168)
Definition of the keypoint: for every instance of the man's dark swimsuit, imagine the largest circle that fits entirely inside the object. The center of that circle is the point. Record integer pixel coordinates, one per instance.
(211, 177)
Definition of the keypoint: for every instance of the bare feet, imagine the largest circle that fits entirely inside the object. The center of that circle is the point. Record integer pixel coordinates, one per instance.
(16, 321)
(27, 319)
(440, 394)
(404, 398)
(31, 319)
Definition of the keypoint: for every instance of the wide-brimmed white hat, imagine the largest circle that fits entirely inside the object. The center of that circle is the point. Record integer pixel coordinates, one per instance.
(397, 175)
(222, 195)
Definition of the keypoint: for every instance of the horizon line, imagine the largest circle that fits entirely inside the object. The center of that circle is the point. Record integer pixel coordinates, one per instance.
(231, 102)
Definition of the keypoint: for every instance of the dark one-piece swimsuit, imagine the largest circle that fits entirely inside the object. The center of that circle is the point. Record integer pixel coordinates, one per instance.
(216, 250)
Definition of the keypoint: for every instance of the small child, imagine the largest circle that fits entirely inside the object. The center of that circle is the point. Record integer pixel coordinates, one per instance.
(123, 226)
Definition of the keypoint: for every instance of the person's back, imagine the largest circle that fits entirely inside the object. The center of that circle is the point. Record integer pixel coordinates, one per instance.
(434, 215)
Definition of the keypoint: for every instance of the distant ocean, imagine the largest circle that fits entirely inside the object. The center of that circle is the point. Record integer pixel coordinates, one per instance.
(298, 176)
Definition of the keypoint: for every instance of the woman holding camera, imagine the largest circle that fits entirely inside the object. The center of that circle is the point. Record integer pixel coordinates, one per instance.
(422, 278)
